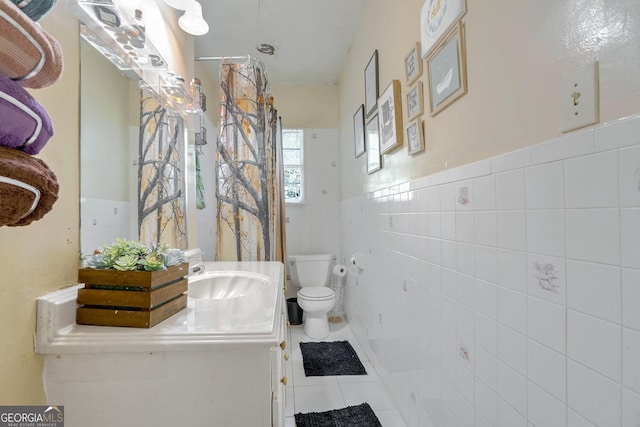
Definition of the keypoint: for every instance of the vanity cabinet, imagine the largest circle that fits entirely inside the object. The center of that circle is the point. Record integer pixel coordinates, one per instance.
(177, 373)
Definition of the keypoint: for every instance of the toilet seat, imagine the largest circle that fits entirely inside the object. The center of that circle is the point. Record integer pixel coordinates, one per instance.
(316, 293)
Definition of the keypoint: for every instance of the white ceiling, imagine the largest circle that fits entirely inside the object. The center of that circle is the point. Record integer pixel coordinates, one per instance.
(311, 38)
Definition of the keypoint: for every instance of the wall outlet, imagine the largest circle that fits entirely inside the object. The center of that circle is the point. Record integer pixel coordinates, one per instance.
(580, 98)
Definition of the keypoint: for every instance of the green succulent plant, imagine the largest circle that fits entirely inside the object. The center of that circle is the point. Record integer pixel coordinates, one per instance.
(129, 255)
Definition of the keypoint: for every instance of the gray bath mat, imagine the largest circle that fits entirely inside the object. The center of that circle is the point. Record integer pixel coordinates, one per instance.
(352, 416)
(330, 358)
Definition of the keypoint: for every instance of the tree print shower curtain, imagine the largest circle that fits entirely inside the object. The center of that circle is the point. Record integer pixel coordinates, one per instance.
(248, 185)
(161, 181)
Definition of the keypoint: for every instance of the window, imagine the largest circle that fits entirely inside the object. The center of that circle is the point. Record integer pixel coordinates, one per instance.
(293, 160)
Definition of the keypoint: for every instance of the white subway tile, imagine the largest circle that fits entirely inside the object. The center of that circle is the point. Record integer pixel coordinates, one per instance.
(466, 258)
(512, 160)
(547, 324)
(512, 387)
(544, 409)
(487, 298)
(593, 235)
(510, 190)
(592, 181)
(594, 289)
(619, 133)
(630, 232)
(487, 333)
(547, 278)
(595, 343)
(630, 298)
(630, 408)
(631, 359)
(576, 420)
(512, 348)
(486, 403)
(545, 186)
(464, 196)
(512, 230)
(548, 369)
(512, 309)
(487, 368)
(465, 321)
(465, 290)
(485, 227)
(447, 197)
(464, 227)
(448, 225)
(593, 396)
(484, 193)
(571, 145)
(629, 177)
(512, 269)
(546, 232)
(433, 224)
(487, 263)
(449, 257)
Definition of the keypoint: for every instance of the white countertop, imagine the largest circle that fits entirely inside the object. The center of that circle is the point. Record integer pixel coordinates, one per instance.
(251, 319)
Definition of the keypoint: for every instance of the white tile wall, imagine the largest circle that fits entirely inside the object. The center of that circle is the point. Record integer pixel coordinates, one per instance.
(512, 285)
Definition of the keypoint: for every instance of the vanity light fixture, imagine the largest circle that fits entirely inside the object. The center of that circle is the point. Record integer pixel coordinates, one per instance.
(192, 21)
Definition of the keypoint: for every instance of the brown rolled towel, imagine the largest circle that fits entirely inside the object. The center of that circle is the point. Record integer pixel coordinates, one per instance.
(28, 188)
(28, 54)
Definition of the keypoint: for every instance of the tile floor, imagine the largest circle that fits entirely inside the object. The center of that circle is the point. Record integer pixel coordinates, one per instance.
(317, 394)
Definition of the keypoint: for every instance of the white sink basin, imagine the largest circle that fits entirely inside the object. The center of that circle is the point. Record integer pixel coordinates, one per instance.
(218, 285)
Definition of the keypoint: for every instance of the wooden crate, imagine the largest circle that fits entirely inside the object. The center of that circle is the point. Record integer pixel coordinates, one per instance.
(139, 299)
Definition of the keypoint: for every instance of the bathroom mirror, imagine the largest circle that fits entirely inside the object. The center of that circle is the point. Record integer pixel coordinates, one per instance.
(132, 165)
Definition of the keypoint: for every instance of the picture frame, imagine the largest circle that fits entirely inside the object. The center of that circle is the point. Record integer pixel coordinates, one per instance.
(415, 137)
(415, 101)
(437, 17)
(372, 143)
(371, 88)
(390, 118)
(358, 131)
(447, 70)
(413, 64)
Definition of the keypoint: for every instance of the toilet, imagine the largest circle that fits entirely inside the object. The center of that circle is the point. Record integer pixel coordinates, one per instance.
(311, 273)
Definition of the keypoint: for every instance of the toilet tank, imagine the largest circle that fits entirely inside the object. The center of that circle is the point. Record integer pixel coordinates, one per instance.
(311, 270)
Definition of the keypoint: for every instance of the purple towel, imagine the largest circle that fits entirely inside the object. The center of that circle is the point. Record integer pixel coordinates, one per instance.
(24, 123)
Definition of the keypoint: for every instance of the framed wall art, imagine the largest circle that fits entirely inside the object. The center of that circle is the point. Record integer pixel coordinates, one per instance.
(371, 89)
(413, 64)
(415, 137)
(415, 101)
(437, 17)
(446, 67)
(372, 142)
(390, 118)
(358, 131)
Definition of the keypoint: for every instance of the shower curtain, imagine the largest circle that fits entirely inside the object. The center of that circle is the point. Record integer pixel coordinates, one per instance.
(249, 190)
(161, 183)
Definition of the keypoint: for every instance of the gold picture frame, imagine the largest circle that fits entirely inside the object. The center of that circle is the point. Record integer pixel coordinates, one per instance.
(413, 64)
(390, 118)
(415, 101)
(415, 137)
(447, 70)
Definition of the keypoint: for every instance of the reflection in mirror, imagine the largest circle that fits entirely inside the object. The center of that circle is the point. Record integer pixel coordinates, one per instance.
(132, 177)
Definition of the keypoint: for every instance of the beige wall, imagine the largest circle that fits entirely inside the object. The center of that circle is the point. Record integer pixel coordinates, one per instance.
(307, 106)
(518, 54)
(44, 256)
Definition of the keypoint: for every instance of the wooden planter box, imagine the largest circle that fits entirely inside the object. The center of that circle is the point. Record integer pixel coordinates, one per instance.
(138, 299)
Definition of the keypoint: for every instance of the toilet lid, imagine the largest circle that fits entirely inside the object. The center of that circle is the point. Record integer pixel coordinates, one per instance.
(316, 293)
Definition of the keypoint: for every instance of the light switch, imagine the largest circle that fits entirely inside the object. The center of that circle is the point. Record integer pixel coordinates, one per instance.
(580, 99)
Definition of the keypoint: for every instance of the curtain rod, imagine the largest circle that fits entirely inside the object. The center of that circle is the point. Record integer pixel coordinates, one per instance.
(235, 59)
